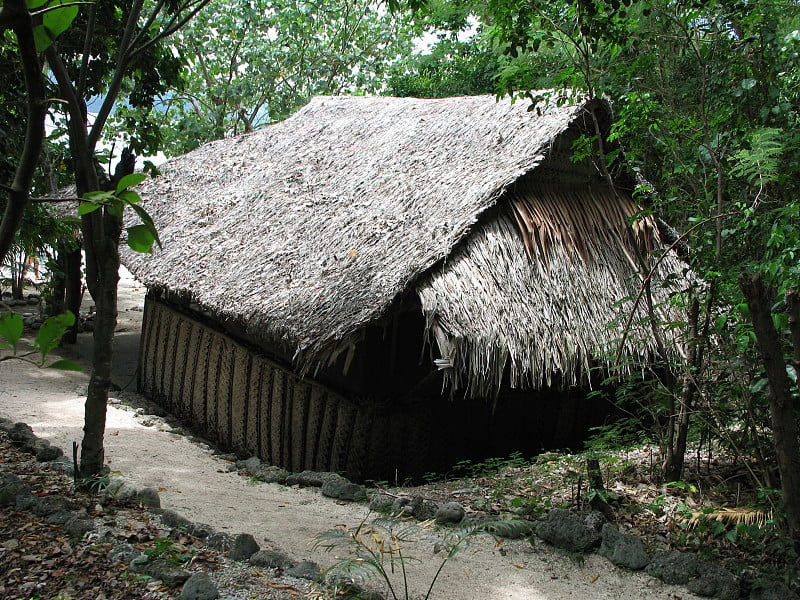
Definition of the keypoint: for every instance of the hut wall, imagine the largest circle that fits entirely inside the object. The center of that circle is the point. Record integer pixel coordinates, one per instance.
(245, 402)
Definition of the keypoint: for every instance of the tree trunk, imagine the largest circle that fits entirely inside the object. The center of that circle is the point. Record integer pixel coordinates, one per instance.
(675, 452)
(782, 410)
(55, 303)
(73, 289)
(104, 293)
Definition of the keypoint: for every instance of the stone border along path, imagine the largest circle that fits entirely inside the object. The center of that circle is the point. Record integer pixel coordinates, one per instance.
(192, 481)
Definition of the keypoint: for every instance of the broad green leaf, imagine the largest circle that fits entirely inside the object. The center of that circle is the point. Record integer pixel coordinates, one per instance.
(115, 208)
(11, 326)
(130, 181)
(99, 197)
(129, 197)
(148, 221)
(84, 208)
(65, 365)
(55, 21)
(141, 238)
(51, 331)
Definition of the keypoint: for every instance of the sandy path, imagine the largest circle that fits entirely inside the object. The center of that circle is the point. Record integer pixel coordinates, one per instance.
(196, 483)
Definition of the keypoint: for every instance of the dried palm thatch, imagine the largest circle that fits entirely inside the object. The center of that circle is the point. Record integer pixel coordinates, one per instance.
(544, 308)
(730, 516)
(305, 231)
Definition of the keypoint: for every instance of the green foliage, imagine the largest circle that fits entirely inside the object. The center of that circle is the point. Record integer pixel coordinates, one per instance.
(47, 338)
(243, 65)
(165, 548)
(489, 466)
(451, 68)
(141, 237)
(56, 19)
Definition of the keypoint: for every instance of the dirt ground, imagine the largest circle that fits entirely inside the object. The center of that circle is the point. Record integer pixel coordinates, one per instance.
(198, 484)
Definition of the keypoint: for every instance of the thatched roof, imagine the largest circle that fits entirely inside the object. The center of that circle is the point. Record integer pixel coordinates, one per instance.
(305, 231)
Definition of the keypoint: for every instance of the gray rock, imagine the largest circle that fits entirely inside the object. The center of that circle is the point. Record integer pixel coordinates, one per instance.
(124, 553)
(219, 541)
(408, 507)
(78, 526)
(251, 465)
(12, 486)
(271, 559)
(425, 510)
(244, 546)
(512, 529)
(675, 568)
(60, 517)
(199, 587)
(22, 435)
(479, 518)
(149, 497)
(622, 549)
(595, 520)
(171, 574)
(271, 474)
(46, 452)
(170, 518)
(201, 530)
(342, 489)
(715, 582)
(381, 503)
(306, 569)
(119, 489)
(565, 529)
(64, 465)
(310, 478)
(47, 505)
(399, 505)
(449, 512)
(773, 590)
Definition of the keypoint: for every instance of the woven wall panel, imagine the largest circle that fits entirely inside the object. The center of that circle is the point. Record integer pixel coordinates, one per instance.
(276, 424)
(161, 318)
(326, 435)
(357, 459)
(301, 397)
(267, 374)
(216, 356)
(316, 414)
(200, 379)
(224, 395)
(169, 348)
(243, 401)
(255, 413)
(240, 397)
(342, 436)
(146, 350)
(149, 354)
(185, 365)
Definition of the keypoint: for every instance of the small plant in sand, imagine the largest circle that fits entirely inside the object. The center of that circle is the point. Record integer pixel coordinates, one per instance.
(375, 549)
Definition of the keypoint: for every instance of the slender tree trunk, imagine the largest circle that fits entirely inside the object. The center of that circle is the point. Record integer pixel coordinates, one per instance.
(784, 415)
(15, 13)
(675, 452)
(105, 298)
(55, 303)
(72, 290)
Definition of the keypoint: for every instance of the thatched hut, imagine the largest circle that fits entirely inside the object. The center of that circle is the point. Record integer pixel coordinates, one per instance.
(375, 284)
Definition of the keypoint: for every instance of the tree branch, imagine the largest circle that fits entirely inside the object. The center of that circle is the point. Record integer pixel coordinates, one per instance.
(16, 13)
(123, 60)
